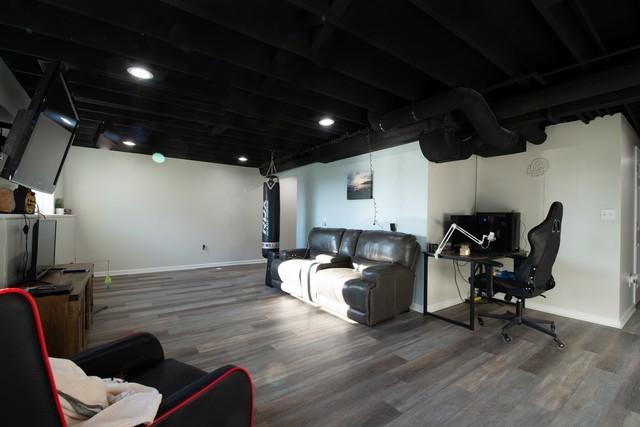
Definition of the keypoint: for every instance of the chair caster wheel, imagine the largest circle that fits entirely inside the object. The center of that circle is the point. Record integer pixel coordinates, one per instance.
(506, 338)
(560, 344)
(480, 321)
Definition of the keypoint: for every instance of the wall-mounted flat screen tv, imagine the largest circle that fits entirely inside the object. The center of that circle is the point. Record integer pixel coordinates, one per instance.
(41, 135)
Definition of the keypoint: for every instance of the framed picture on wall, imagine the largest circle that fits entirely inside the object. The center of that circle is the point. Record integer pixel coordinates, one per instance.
(359, 185)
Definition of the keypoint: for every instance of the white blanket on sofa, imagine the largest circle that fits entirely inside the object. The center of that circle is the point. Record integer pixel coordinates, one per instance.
(95, 402)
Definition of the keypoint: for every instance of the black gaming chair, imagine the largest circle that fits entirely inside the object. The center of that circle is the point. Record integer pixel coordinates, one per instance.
(190, 397)
(532, 277)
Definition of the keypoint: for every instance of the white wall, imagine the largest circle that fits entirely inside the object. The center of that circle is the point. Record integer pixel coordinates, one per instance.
(628, 142)
(585, 174)
(145, 216)
(399, 186)
(451, 191)
(15, 250)
(288, 219)
(591, 168)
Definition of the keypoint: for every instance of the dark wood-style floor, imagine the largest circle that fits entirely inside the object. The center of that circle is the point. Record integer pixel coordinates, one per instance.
(313, 369)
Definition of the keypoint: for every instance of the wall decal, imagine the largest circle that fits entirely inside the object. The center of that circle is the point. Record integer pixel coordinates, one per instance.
(538, 167)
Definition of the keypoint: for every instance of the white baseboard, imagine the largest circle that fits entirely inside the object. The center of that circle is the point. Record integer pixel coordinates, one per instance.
(162, 269)
(600, 320)
(627, 315)
(416, 307)
(578, 315)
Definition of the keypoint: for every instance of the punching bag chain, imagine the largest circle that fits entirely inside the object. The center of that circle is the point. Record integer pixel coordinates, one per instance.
(272, 167)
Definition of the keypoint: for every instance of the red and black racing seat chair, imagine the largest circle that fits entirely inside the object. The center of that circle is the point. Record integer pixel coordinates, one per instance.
(191, 397)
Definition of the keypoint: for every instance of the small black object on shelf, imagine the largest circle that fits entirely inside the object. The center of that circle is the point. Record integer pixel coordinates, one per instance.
(49, 289)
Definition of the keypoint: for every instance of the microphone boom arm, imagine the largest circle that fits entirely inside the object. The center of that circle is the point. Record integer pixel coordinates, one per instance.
(488, 237)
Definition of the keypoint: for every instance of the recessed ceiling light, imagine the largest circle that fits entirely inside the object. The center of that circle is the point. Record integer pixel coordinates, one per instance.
(327, 121)
(128, 143)
(242, 159)
(158, 157)
(140, 73)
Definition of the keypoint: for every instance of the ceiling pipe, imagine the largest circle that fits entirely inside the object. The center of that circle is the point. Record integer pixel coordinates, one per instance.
(470, 102)
(560, 102)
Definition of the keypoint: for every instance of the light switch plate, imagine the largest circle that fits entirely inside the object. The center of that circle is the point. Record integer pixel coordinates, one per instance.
(608, 214)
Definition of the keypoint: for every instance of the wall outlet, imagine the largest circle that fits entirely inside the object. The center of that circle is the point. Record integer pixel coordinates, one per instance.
(607, 214)
(324, 222)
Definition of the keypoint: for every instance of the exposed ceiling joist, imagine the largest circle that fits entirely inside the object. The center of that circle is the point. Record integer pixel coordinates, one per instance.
(212, 43)
(123, 110)
(489, 44)
(389, 74)
(422, 47)
(559, 17)
(582, 14)
(325, 32)
(252, 77)
(131, 126)
(112, 63)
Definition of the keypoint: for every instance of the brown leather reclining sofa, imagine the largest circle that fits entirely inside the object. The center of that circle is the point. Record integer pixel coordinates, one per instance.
(367, 276)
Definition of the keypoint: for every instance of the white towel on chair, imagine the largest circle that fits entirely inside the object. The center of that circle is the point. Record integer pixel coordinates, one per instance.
(95, 402)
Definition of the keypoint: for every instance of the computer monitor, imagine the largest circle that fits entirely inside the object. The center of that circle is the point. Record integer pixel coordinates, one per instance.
(505, 226)
(43, 251)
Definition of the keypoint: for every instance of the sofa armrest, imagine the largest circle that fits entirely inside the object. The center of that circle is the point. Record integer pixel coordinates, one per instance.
(223, 397)
(390, 291)
(121, 357)
(387, 273)
(294, 253)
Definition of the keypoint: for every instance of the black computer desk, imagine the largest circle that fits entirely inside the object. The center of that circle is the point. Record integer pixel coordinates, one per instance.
(486, 260)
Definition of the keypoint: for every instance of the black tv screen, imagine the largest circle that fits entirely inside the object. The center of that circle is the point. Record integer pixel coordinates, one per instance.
(43, 251)
(40, 136)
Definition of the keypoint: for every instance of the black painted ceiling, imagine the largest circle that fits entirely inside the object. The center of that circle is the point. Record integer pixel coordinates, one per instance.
(242, 77)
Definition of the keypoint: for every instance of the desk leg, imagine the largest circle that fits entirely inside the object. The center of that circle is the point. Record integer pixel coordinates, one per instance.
(472, 296)
(425, 284)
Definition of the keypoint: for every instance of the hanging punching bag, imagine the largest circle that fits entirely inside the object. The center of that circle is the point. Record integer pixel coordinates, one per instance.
(270, 215)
